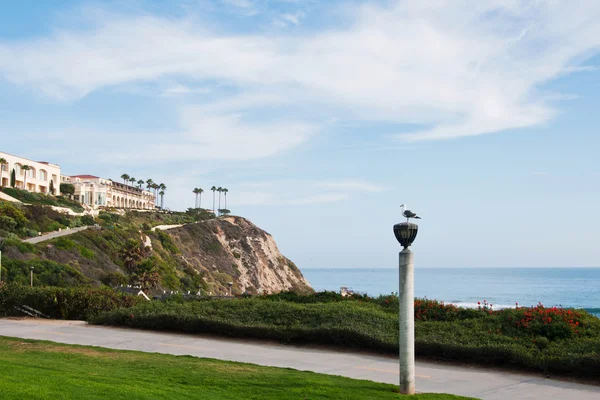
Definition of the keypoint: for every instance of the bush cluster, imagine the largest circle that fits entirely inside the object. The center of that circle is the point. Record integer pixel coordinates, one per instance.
(43, 199)
(28, 220)
(62, 303)
(479, 336)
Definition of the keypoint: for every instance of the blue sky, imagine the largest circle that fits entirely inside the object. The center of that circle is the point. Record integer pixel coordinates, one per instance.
(321, 118)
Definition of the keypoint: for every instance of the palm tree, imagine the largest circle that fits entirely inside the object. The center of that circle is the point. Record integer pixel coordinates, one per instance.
(162, 194)
(200, 191)
(195, 191)
(214, 189)
(220, 190)
(149, 184)
(225, 190)
(2, 162)
(125, 178)
(149, 280)
(132, 180)
(155, 188)
(140, 183)
(25, 168)
(162, 188)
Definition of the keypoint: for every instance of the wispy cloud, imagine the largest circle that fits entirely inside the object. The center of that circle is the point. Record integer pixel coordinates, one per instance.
(256, 198)
(354, 186)
(455, 69)
(302, 192)
(178, 89)
(289, 18)
(247, 7)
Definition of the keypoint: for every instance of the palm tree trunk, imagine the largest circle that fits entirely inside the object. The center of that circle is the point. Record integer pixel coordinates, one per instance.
(200, 202)
(226, 200)
(213, 201)
(219, 202)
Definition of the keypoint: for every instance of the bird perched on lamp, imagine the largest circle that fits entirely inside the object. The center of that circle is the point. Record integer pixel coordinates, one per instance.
(407, 213)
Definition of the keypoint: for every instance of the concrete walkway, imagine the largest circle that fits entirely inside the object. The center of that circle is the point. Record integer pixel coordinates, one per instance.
(476, 382)
(54, 235)
(166, 227)
(5, 197)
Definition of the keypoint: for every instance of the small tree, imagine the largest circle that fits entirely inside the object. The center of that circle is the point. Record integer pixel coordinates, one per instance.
(67, 188)
(25, 169)
(51, 189)
(13, 178)
(149, 279)
(133, 253)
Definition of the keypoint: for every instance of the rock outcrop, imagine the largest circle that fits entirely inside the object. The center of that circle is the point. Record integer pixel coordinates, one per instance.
(232, 249)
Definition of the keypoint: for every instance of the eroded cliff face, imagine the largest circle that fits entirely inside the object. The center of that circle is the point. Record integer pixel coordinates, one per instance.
(232, 249)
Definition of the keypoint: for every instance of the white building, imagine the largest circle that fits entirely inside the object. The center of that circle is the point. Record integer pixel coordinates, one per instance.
(90, 190)
(40, 178)
(96, 192)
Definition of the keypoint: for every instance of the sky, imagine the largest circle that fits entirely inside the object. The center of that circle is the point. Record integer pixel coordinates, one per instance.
(321, 118)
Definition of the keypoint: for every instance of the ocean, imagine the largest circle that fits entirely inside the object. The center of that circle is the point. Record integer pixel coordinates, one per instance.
(502, 287)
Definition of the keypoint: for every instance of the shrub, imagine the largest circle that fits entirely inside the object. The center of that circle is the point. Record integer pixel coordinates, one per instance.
(46, 272)
(443, 332)
(67, 188)
(7, 223)
(15, 214)
(14, 241)
(63, 303)
(167, 242)
(87, 220)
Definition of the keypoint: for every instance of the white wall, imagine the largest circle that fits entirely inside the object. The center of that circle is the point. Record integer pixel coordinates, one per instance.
(38, 179)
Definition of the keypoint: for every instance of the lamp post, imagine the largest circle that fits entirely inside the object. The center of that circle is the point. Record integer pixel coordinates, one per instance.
(31, 276)
(406, 233)
(230, 284)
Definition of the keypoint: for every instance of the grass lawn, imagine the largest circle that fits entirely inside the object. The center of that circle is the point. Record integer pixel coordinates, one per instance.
(45, 370)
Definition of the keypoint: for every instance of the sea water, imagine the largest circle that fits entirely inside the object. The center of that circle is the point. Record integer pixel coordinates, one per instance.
(502, 287)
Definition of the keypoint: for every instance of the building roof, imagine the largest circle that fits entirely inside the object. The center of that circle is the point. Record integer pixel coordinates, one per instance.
(85, 176)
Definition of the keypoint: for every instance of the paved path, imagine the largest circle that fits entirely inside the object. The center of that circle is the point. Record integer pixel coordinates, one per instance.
(476, 382)
(5, 197)
(54, 235)
(166, 227)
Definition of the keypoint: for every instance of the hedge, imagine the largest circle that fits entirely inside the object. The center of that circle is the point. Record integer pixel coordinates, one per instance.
(62, 303)
(443, 332)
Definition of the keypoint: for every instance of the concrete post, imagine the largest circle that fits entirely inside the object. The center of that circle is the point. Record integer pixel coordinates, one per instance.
(407, 322)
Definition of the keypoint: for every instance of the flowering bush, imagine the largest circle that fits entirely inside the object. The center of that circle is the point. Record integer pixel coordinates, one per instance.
(552, 323)
(433, 310)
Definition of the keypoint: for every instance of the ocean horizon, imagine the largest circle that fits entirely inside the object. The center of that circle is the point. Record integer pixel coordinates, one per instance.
(465, 286)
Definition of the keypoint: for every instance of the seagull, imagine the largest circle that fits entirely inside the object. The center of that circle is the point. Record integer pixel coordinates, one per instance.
(407, 213)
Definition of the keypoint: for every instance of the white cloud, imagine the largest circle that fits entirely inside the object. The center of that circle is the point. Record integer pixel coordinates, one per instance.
(227, 136)
(178, 89)
(460, 69)
(246, 6)
(289, 18)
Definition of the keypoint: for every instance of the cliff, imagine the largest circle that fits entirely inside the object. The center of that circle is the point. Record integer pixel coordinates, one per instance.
(205, 252)
(233, 249)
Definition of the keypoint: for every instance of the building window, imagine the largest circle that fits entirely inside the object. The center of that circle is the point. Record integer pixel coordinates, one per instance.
(43, 175)
(5, 167)
(18, 170)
